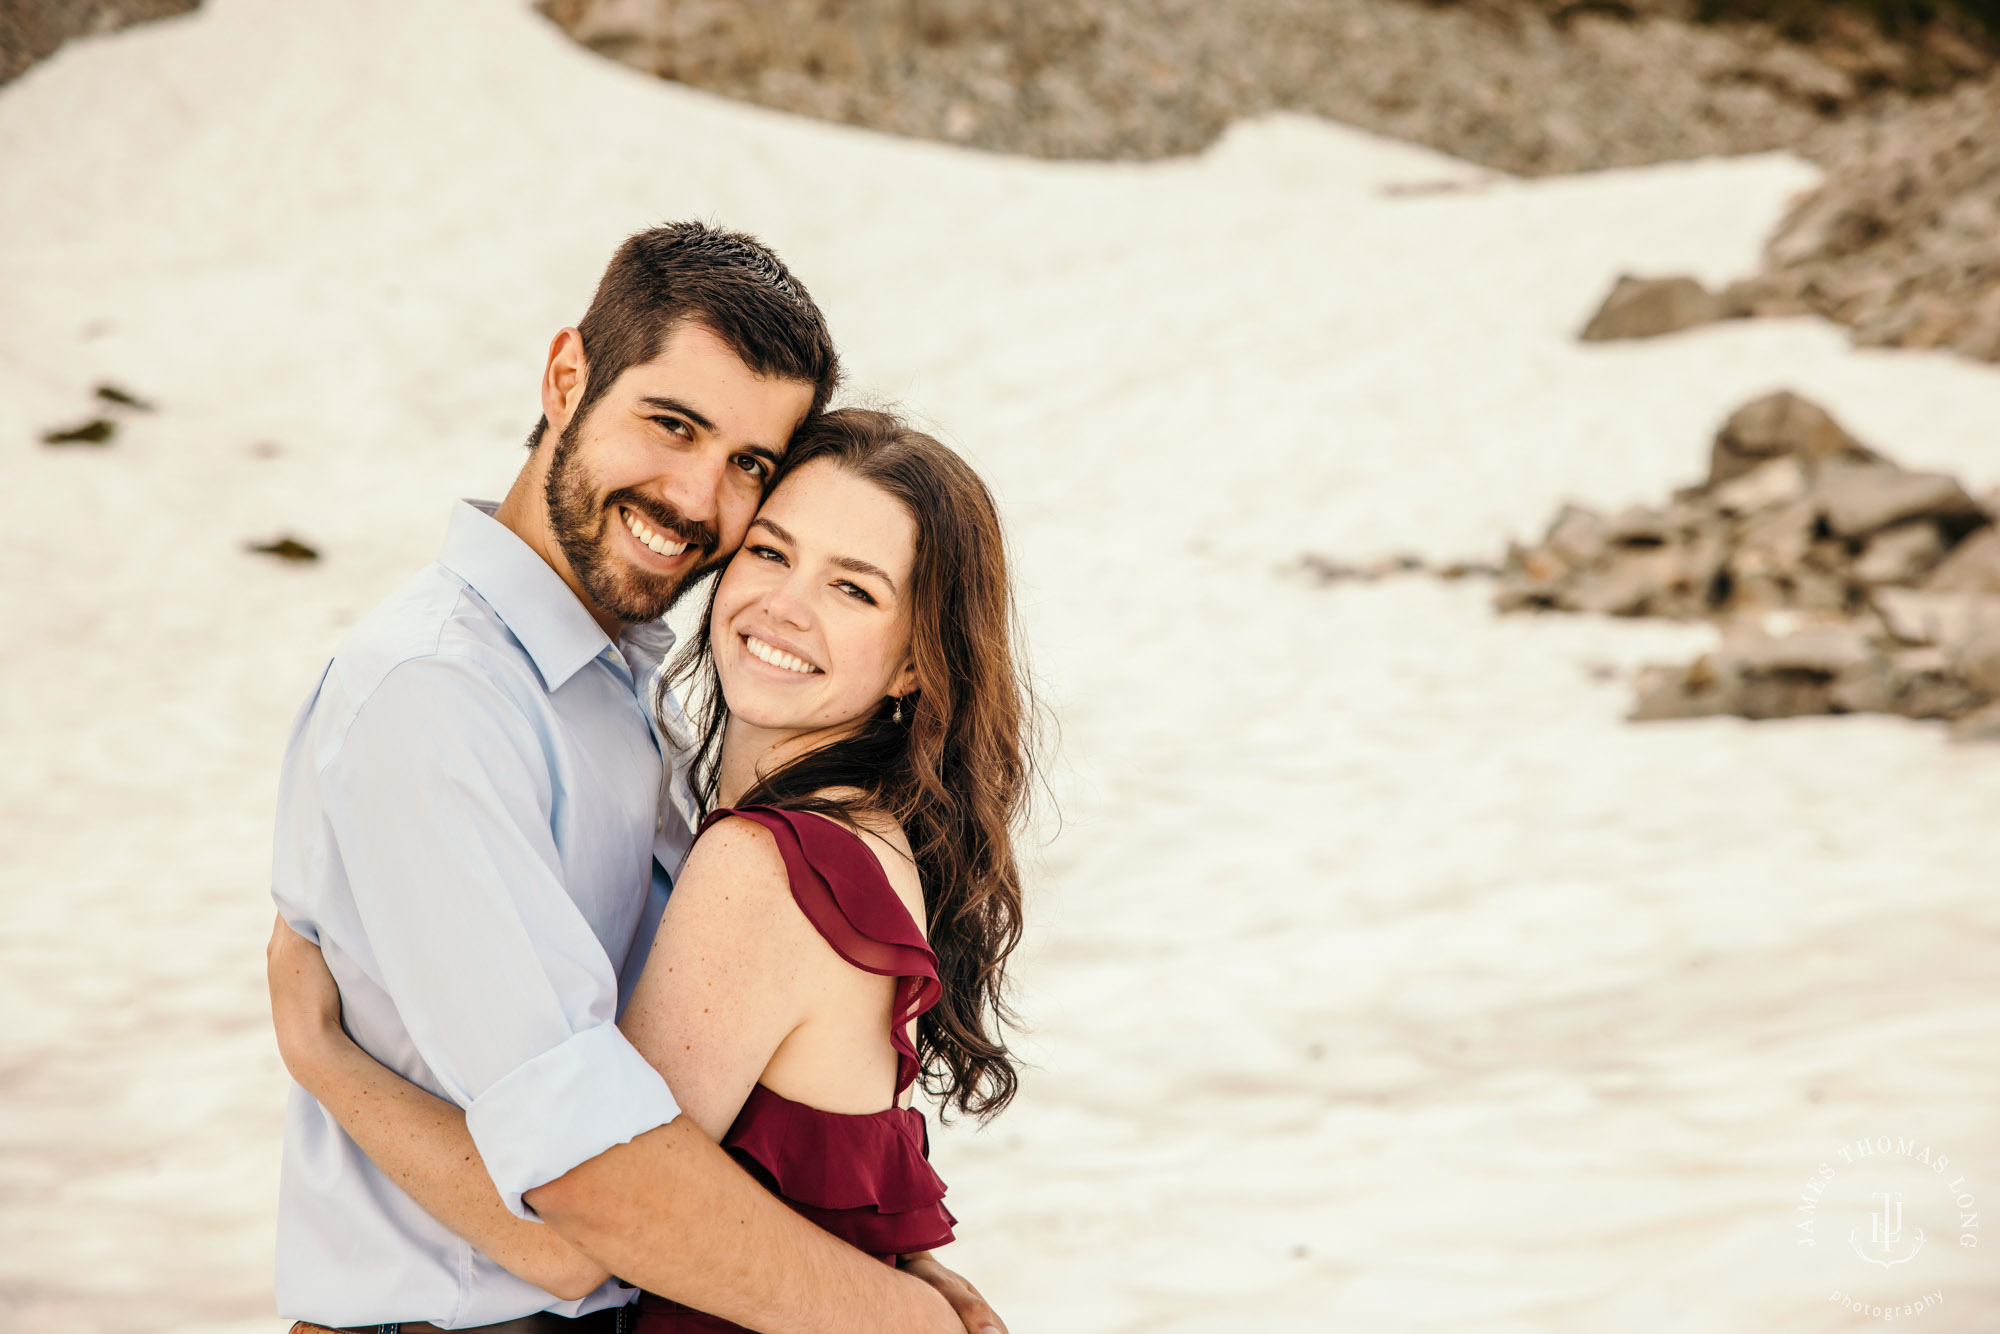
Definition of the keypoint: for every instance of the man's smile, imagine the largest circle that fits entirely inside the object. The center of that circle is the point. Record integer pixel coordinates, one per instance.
(650, 537)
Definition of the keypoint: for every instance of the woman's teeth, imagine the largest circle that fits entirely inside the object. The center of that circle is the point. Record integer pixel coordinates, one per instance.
(652, 539)
(778, 657)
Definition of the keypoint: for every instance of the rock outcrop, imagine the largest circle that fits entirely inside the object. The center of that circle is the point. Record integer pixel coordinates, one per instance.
(31, 30)
(1529, 86)
(1900, 102)
(1902, 239)
(1842, 582)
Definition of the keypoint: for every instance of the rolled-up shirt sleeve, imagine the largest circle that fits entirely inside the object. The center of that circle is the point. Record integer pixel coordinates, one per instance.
(439, 798)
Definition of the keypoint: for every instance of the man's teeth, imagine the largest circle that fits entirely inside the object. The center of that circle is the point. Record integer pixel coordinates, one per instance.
(652, 539)
(778, 657)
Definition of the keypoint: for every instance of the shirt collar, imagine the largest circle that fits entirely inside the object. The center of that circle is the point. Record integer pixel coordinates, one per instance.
(522, 588)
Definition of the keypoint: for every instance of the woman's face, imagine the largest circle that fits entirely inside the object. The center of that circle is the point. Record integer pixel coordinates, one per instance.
(811, 622)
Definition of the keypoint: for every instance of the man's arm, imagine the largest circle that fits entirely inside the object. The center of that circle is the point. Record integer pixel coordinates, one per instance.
(672, 1213)
(735, 970)
(438, 797)
(420, 1142)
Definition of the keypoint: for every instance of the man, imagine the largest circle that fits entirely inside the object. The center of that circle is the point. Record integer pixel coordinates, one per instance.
(475, 821)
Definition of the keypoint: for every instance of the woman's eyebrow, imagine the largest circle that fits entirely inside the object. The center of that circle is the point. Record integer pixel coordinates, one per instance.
(854, 563)
(863, 567)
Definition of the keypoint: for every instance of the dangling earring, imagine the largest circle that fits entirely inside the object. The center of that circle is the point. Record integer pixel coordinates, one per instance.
(897, 716)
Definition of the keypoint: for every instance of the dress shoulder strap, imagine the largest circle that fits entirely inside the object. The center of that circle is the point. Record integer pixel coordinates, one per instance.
(841, 888)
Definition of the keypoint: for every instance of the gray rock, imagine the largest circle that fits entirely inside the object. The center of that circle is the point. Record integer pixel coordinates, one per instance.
(1775, 426)
(1820, 650)
(1975, 656)
(1638, 526)
(1664, 693)
(1857, 499)
(1897, 240)
(1778, 481)
(1632, 585)
(1783, 695)
(1981, 724)
(1901, 554)
(1779, 538)
(1649, 307)
(1927, 616)
(1973, 566)
(1926, 688)
(1872, 687)
(1579, 537)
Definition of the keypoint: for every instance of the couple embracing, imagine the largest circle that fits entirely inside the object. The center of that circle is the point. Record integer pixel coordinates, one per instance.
(605, 1018)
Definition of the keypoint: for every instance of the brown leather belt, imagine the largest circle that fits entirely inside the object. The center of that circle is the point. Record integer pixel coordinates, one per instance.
(612, 1320)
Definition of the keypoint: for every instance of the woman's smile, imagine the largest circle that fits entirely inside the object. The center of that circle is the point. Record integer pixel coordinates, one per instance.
(770, 654)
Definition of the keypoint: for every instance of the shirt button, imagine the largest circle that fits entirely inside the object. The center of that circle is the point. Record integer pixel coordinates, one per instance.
(660, 824)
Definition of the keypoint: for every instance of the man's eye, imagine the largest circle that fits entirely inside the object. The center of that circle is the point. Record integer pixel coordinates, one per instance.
(677, 426)
(753, 465)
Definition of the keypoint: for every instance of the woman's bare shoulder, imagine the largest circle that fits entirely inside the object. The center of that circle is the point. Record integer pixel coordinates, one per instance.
(734, 869)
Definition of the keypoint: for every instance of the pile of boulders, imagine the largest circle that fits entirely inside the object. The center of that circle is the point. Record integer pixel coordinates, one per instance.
(1901, 241)
(1842, 582)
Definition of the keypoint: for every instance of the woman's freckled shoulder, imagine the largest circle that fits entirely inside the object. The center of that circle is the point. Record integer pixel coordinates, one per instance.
(736, 858)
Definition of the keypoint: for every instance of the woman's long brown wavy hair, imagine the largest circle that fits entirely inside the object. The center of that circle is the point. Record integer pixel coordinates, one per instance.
(955, 772)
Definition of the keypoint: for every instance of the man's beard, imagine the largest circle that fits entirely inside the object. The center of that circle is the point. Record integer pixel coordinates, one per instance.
(581, 521)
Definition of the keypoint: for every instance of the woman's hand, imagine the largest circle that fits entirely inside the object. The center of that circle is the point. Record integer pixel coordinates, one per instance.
(305, 1002)
(965, 1300)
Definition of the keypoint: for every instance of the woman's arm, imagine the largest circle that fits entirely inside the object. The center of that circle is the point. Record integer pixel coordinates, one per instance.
(420, 1142)
(735, 969)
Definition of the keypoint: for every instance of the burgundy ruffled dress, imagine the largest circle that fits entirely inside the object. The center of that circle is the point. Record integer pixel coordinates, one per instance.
(865, 1177)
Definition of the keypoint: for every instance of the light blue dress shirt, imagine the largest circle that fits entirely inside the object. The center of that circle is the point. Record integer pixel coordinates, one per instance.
(476, 824)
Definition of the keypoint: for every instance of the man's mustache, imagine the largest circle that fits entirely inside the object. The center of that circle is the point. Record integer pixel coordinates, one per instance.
(666, 519)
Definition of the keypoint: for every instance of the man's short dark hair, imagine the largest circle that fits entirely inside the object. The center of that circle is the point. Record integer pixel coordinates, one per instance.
(728, 283)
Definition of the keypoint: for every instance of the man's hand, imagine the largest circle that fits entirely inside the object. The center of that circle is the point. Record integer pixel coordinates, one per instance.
(964, 1298)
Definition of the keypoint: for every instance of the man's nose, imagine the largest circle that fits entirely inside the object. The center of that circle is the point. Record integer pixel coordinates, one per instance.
(694, 487)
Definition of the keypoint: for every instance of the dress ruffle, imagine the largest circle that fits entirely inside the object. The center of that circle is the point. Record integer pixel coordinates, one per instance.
(866, 1177)
(841, 889)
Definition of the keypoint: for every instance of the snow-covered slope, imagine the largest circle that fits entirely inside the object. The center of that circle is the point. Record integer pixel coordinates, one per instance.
(1382, 979)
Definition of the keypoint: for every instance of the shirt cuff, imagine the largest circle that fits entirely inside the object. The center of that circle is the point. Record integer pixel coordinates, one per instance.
(592, 1092)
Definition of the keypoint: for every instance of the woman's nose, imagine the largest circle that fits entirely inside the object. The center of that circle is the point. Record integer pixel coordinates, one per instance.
(787, 602)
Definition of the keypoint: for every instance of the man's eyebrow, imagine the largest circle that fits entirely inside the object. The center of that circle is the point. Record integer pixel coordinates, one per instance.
(676, 406)
(853, 563)
(769, 453)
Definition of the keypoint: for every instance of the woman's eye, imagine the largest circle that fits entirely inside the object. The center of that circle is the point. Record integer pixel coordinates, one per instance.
(766, 553)
(855, 591)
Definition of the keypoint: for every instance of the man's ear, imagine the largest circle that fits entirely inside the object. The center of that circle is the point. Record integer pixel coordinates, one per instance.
(564, 379)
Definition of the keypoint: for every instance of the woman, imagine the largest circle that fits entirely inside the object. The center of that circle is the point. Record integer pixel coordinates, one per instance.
(840, 929)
